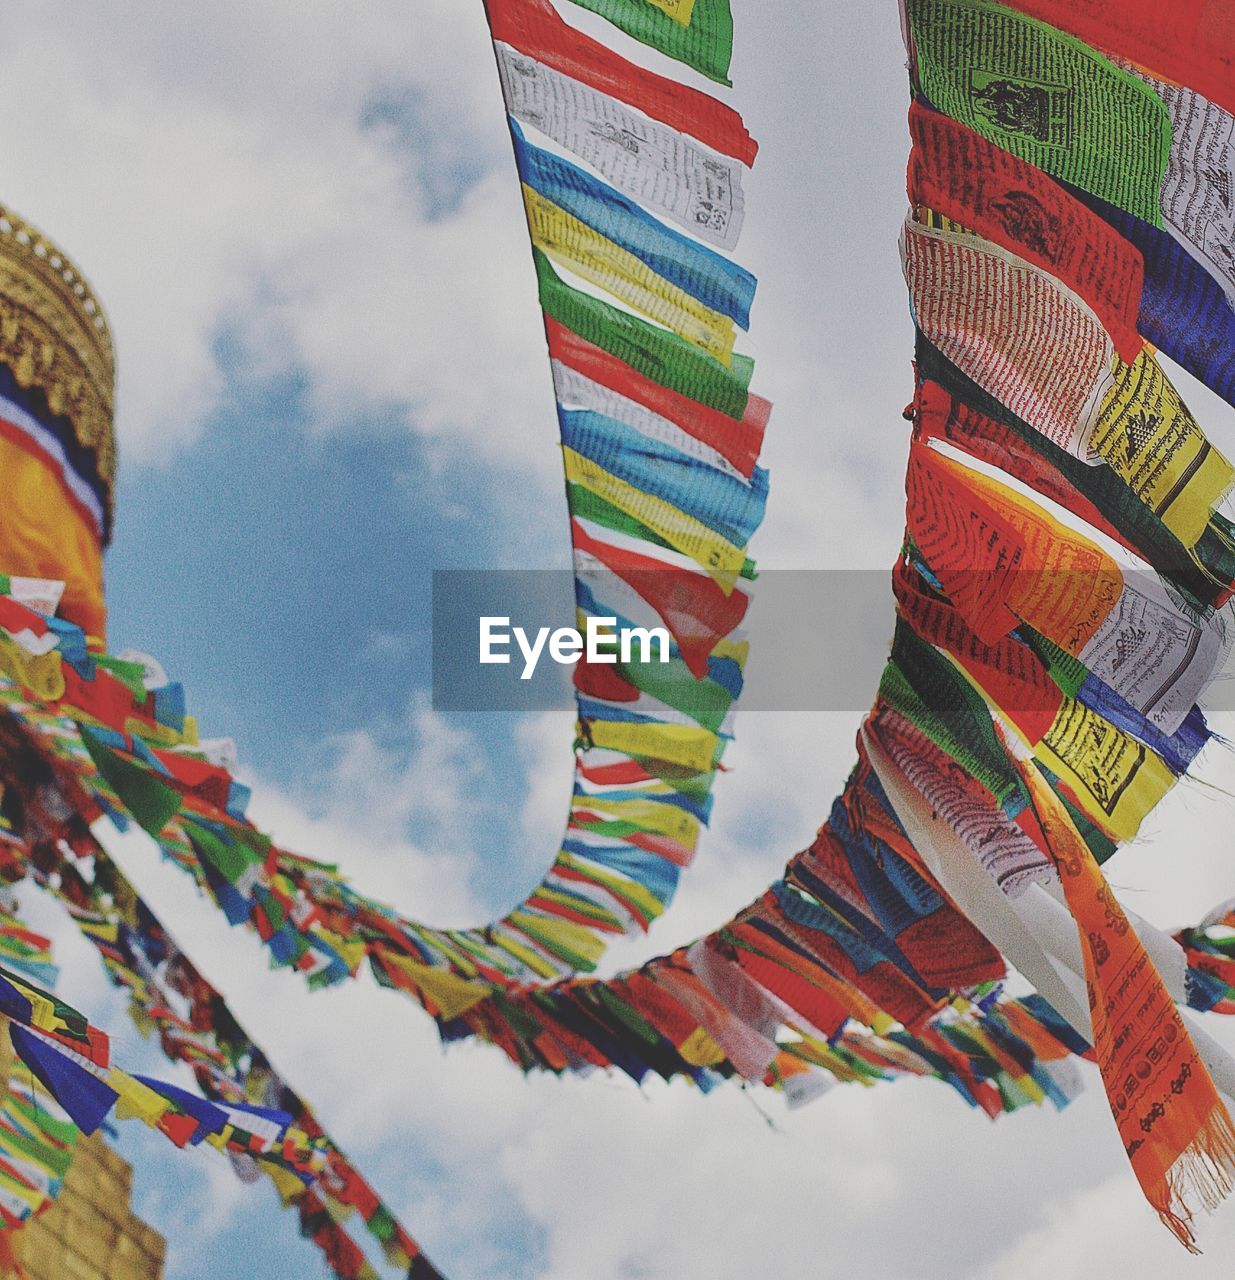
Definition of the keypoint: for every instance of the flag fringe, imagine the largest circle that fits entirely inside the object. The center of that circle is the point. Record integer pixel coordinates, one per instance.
(1203, 1175)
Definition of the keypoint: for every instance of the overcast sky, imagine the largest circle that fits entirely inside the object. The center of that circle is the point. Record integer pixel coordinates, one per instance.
(305, 223)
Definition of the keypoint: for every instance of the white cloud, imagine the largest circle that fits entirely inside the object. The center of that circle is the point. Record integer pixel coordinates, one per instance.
(1106, 1230)
(392, 807)
(215, 171)
(543, 743)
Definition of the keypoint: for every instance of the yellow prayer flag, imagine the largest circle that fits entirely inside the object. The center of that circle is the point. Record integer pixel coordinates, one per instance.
(683, 532)
(700, 1050)
(1116, 779)
(1146, 435)
(685, 745)
(526, 955)
(38, 673)
(598, 260)
(569, 936)
(137, 1101)
(451, 994)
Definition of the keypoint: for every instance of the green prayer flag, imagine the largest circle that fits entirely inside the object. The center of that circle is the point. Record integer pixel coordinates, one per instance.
(654, 352)
(924, 687)
(699, 34)
(1045, 97)
(1068, 672)
(230, 858)
(150, 800)
(130, 674)
(706, 702)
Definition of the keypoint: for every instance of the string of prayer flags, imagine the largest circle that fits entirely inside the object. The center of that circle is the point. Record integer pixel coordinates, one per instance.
(1063, 604)
(661, 436)
(53, 844)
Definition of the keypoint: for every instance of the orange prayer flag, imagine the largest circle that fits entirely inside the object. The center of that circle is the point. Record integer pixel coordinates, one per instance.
(1175, 1128)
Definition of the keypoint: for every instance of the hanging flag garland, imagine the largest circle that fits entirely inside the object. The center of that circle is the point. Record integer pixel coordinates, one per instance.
(660, 438)
(1062, 600)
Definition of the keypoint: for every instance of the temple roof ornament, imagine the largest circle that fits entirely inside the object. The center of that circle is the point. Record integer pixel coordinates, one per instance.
(54, 337)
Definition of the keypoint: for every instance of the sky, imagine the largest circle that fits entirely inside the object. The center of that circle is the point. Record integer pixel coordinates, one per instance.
(305, 224)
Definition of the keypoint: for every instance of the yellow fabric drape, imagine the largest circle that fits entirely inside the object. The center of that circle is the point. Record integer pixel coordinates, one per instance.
(44, 534)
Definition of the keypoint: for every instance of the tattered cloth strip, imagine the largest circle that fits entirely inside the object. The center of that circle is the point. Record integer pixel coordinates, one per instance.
(1175, 1128)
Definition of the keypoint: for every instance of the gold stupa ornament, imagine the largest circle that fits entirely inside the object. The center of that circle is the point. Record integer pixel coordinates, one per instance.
(55, 338)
